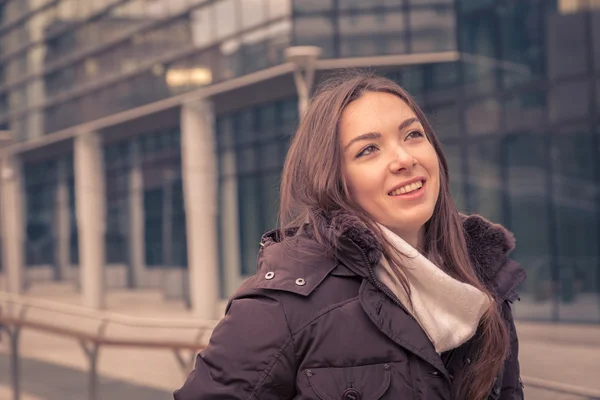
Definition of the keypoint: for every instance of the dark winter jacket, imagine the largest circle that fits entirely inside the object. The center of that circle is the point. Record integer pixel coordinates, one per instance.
(313, 326)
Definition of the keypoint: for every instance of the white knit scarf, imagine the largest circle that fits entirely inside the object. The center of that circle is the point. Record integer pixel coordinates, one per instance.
(449, 311)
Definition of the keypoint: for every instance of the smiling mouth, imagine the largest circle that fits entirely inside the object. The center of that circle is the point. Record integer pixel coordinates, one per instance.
(407, 189)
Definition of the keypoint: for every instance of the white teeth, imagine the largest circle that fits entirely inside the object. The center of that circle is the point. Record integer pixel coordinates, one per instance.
(407, 188)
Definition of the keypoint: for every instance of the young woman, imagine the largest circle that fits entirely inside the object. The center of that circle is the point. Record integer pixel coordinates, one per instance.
(375, 287)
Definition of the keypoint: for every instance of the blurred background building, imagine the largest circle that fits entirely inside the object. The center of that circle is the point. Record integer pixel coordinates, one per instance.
(148, 136)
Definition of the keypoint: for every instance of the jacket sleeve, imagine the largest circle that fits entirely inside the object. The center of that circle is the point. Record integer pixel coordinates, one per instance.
(512, 388)
(250, 355)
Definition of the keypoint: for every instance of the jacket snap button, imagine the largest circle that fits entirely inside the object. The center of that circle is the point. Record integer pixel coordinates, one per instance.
(270, 275)
(351, 394)
(300, 282)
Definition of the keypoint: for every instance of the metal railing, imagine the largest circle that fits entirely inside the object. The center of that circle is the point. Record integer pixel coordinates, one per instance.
(14, 312)
(13, 318)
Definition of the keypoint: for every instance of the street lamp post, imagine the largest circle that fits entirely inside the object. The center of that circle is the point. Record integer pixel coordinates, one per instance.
(304, 58)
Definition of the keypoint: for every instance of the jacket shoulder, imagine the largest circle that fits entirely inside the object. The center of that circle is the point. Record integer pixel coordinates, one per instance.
(297, 265)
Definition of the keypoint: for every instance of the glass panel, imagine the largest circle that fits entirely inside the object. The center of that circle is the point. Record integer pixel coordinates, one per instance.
(279, 8)
(315, 31)
(247, 160)
(312, 5)
(270, 155)
(371, 34)
(569, 101)
(574, 155)
(40, 180)
(358, 4)
(522, 42)
(203, 29)
(528, 220)
(478, 37)
(442, 82)
(596, 38)
(445, 120)
(270, 200)
(227, 16)
(254, 50)
(250, 222)
(433, 29)
(254, 12)
(153, 224)
(453, 154)
(434, 2)
(483, 117)
(525, 111)
(566, 45)
(485, 182)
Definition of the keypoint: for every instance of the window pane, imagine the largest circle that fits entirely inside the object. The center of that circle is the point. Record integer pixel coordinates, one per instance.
(270, 199)
(529, 222)
(454, 157)
(596, 38)
(574, 155)
(567, 53)
(433, 29)
(253, 13)
(202, 26)
(250, 222)
(372, 34)
(315, 31)
(312, 5)
(485, 178)
(569, 101)
(483, 117)
(226, 15)
(445, 121)
(279, 8)
(525, 111)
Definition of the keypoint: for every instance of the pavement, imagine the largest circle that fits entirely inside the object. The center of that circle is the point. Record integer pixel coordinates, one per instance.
(56, 368)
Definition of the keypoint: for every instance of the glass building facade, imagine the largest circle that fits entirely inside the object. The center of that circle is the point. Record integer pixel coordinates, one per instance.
(517, 110)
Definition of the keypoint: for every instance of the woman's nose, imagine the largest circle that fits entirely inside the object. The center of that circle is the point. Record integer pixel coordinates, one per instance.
(401, 160)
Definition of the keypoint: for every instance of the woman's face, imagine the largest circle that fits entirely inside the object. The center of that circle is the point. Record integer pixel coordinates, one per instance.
(390, 167)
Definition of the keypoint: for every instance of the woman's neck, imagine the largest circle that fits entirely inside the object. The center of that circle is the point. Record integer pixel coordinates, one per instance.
(415, 239)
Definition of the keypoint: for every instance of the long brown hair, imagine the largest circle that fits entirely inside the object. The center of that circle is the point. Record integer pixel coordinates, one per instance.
(313, 186)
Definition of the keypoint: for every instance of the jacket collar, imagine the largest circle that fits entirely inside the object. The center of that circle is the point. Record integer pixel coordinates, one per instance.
(488, 245)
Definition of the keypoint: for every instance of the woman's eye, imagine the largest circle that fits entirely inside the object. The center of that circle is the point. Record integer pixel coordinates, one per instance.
(366, 151)
(415, 134)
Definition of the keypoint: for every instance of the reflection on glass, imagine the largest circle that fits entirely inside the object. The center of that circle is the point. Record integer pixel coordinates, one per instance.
(226, 16)
(315, 31)
(525, 111)
(485, 184)
(454, 158)
(372, 34)
(312, 5)
(433, 29)
(566, 45)
(279, 8)
(253, 13)
(483, 117)
(569, 100)
(358, 4)
(528, 220)
(577, 219)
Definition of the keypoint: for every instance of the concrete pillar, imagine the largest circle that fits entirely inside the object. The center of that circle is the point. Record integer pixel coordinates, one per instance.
(230, 226)
(91, 217)
(198, 158)
(13, 223)
(137, 248)
(62, 223)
